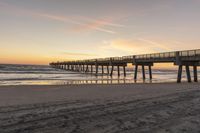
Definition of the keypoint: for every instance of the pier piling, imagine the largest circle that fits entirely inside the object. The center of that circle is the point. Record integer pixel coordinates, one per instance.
(195, 74)
(118, 71)
(150, 73)
(111, 73)
(188, 73)
(143, 72)
(136, 71)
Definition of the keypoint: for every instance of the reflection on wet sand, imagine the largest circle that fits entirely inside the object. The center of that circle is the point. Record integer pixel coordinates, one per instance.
(106, 81)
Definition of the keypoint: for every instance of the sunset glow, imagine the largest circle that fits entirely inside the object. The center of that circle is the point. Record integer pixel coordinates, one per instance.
(39, 32)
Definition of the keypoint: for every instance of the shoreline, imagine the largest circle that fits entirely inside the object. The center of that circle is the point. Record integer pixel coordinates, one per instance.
(86, 82)
(140, 83)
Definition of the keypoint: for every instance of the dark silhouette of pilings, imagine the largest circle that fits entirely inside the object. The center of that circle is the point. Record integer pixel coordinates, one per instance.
(89, 68)
(118, 70)
(187, 68)
(182, 59)
(195, 73)
(143, 70)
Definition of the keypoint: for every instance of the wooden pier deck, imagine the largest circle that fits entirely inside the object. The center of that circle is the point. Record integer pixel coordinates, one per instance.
(187, 58)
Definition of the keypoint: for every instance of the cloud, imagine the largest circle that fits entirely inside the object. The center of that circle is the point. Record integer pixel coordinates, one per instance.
(135, 46)
(81, 23)
(155, 44)
(78, 54)
(94, 25)
(84, 23)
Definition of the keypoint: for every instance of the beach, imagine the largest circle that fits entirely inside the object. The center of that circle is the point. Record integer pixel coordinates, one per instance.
(116, 108)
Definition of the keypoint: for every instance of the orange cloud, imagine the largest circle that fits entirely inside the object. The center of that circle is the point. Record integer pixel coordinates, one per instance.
(156, 44)
(79, 55)
(136, 46)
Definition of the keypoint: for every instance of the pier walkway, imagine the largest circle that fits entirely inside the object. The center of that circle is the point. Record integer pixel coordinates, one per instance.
(187, 58)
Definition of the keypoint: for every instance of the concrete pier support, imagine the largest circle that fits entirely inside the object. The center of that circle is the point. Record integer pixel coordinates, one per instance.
(195, 73)
(79, 68)
(97, 68)
(118, 71)
(87, 69)
(76, 68)
(187, 68)
(150, 73)
(136, 71)
(91, 69)
(72, 67)
(83, 68)
(188, 73)
(111, 72)
(102, 69)
(108, 71)
(124, 68)
(149, 65)
(143, 72)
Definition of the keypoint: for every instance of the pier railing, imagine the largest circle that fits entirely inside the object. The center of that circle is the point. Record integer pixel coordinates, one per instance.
(190, 52)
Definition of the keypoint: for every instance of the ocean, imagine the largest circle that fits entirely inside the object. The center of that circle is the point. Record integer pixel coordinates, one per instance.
(45, 75)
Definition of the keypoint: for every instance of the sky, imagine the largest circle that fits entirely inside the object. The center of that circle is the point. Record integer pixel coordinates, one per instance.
(42, 31)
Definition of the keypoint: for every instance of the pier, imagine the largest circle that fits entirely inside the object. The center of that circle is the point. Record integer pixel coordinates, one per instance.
(183, 59)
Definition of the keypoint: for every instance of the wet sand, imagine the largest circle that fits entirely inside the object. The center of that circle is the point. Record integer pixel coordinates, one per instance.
(125, 108)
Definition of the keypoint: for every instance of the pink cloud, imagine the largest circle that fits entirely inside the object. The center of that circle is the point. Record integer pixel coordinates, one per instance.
(81, 23)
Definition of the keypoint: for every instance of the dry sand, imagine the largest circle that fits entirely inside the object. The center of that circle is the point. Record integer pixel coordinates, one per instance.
(127, 108)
